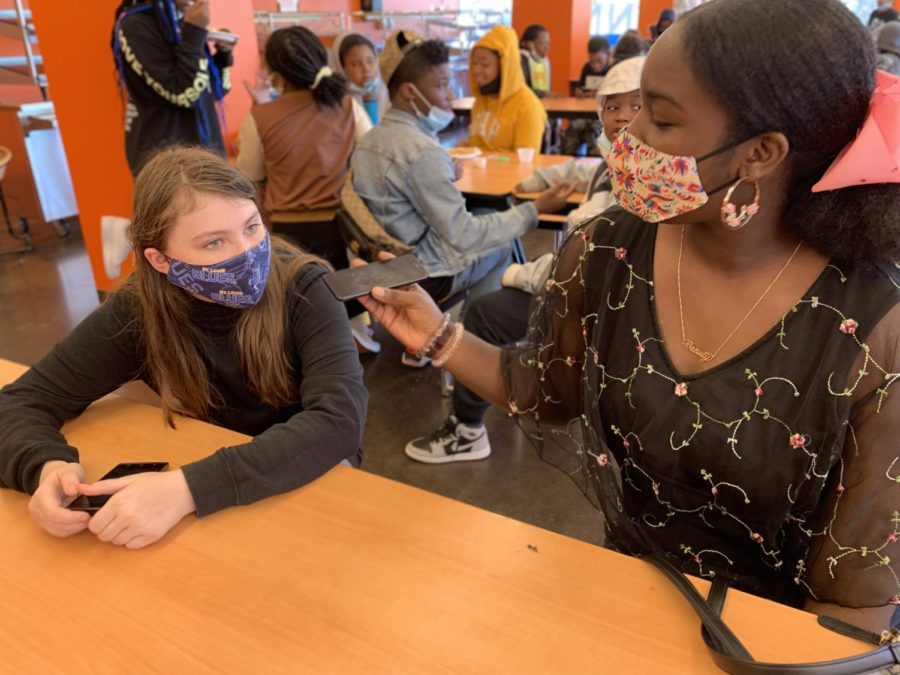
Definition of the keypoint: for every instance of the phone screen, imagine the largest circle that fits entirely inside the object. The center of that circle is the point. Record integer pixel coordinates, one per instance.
(95, 503)
(358, 281)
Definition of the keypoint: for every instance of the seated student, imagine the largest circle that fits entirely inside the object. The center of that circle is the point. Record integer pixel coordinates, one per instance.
(666, 19)
(596, 68)
(299, 145)
(721, 353)
(631, 44)
(888, 43)
(583, 132)
(266, 352)
(502, 317)
(535, 59)
(884, 13)
(506, 115)
(353, 56)
(406, 179)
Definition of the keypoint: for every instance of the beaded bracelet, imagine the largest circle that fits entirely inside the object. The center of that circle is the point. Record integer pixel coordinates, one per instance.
(442, 356)
(429, 346)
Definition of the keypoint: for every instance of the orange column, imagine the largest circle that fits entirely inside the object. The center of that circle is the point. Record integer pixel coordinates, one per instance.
(74, 41)
(569, 23)
(649, 14)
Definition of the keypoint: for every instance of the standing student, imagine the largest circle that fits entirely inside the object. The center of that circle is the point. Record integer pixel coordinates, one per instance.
(298, 146)
(506, 114)
(354, 57)
(722, 352)
(260, 347)
(172, 81)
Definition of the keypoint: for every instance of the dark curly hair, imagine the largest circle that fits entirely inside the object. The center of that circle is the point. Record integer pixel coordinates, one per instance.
(417, 63)
(813, 85)
(297, 55)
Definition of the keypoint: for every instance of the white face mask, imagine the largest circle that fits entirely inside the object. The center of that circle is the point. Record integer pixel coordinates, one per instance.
(604, 145)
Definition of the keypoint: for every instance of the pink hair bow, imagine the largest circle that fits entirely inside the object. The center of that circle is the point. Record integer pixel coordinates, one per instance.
(874, 155)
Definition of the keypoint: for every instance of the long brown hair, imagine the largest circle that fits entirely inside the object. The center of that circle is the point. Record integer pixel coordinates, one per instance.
(165, 189)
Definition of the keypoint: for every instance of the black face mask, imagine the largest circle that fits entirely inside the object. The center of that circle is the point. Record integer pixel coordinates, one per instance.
(490, 88)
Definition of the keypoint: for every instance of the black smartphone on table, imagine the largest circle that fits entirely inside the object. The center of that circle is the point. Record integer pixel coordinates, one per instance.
(95, 503)
(356, 282)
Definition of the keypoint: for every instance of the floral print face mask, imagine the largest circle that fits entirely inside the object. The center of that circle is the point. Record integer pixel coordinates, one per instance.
(655, 186)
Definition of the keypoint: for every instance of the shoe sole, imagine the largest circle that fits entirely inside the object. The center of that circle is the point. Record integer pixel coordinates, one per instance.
(446, 459)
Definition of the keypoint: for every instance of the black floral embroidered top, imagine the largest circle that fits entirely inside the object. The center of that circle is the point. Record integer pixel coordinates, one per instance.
(779, 468)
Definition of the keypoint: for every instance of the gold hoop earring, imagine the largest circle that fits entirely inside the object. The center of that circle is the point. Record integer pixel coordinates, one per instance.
(733, 219)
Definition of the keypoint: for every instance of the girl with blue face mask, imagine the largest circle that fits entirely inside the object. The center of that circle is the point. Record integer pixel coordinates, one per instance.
(722, 347)
(228, 325)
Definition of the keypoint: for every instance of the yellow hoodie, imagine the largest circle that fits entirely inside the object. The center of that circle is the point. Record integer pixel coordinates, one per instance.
(514, 118)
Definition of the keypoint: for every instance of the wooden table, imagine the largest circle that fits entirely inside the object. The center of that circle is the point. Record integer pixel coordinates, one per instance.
(503, 171)
(351, 574)
(567, 107)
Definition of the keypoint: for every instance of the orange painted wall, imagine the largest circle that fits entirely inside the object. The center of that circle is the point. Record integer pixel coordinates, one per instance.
(569, 25)
(81, 74)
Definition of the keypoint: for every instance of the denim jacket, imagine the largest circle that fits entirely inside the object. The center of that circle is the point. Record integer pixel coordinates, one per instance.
(406, 179)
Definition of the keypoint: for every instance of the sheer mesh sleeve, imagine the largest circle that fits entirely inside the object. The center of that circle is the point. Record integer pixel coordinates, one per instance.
(855, 555)
(543, 372)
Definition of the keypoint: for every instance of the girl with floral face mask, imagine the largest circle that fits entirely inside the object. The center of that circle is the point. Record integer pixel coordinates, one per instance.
(228, 325)
(724, 349)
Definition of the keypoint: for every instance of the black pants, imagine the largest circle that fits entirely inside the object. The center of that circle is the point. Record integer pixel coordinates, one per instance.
(497, 318)
(322, 239)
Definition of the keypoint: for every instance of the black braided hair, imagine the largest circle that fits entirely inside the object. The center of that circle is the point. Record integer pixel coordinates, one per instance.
(814, 86)
(297, 55)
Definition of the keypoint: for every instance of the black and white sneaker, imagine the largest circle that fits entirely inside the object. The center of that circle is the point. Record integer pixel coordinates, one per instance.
(453, 442)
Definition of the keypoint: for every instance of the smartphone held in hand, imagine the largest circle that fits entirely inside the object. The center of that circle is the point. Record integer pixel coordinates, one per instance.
(95, 503)
(356, 282)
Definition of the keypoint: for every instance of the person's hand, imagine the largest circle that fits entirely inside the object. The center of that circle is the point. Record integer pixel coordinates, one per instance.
(457, 169)
(554, 199)
(57, 488)
(198, 14)
(143, 507)
(409, 313)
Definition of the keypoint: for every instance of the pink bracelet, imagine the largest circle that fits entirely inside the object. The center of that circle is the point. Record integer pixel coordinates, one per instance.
(432, 345)
(444, 354)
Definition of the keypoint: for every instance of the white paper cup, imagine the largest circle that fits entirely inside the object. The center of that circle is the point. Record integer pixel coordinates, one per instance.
(526, 155)
(480, 162)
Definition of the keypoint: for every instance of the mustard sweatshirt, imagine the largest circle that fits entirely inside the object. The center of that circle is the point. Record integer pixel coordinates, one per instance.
(514, 118)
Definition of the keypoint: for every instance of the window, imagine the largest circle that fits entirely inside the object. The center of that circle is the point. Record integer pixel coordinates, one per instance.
(614, 17)
(862, 8)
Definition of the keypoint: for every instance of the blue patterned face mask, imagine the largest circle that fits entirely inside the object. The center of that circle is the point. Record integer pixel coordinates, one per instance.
(237, 282)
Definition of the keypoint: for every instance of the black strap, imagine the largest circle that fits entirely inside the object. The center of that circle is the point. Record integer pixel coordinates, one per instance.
(731, 656)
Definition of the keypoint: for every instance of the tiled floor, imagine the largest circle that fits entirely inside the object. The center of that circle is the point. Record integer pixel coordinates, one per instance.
(44, 294)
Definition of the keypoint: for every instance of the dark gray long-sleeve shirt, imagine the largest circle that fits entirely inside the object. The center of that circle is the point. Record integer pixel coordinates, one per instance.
(293, 444)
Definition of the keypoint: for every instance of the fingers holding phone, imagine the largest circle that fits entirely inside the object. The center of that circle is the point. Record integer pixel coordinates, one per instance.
(141, 509)
(57, 488)
(388, 290)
